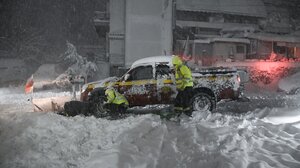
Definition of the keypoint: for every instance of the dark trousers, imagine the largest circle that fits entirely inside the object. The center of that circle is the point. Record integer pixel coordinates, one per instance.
(183, 97)
(116, 109)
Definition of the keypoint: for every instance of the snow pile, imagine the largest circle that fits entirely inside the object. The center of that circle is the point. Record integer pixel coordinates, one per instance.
(290, 83)
(18, 97)
(14, 99)
(283, 116)
(50, 140)
(261, 137)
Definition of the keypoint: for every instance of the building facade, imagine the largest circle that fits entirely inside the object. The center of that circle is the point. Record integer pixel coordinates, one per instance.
(138, 29)
(206, 30)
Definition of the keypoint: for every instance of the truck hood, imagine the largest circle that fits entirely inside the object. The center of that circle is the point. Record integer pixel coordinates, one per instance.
(99, 83)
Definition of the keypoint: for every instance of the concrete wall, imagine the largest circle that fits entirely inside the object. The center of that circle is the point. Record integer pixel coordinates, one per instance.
(117, 32)
(202, 53)
(148, 30)
(297, 52)
(264, 49)
(117, 16)
(228, 50)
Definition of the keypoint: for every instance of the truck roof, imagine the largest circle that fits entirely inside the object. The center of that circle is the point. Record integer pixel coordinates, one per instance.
(153, 60)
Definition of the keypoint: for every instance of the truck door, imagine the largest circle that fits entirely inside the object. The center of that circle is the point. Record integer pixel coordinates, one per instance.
(166, 88)
(138, 86)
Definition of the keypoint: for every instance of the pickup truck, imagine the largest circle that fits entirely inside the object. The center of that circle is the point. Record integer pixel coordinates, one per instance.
(150, 81)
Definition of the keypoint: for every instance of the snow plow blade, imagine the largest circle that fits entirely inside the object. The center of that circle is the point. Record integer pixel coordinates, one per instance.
(73, 108)
(51, 104)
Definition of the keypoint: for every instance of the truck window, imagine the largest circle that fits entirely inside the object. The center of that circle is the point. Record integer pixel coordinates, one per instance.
(162, 71)
(141, 73)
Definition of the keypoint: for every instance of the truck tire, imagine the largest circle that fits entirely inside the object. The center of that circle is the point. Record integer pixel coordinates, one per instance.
(202, 101)
(97, 106)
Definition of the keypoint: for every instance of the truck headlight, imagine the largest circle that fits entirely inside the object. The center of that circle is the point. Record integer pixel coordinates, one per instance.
(84, 87)
(88, 87)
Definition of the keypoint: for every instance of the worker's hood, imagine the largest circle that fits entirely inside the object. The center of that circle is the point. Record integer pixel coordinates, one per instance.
(176, 60)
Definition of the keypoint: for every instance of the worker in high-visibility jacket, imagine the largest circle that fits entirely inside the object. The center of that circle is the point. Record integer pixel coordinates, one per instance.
(116, 103)
(184, 85)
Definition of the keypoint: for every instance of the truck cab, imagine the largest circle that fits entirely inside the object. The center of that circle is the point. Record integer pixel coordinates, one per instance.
(148, 82)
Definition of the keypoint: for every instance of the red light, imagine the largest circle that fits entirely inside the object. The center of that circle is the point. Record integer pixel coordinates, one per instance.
(270, 66)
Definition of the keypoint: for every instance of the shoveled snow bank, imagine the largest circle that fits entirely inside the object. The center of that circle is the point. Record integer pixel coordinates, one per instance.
(283, 115)
(207, 139)
(290, 83)
(50, 140)
(14, 99)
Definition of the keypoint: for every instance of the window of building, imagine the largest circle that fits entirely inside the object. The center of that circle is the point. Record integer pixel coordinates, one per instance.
(228, 18)
(192, 16)
(279, 48)
(240, 49)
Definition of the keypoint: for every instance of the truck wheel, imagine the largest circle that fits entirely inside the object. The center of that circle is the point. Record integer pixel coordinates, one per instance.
(202, 101)
(97, 106)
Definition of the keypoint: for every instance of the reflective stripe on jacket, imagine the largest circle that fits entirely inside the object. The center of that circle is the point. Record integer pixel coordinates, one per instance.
(183, 76)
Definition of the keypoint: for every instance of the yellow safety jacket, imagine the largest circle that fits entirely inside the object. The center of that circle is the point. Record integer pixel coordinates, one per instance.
(115, 97)
(183, 76)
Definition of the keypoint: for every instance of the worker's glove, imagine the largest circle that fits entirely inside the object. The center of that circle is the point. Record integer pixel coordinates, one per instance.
(180, 87)
(106, 102)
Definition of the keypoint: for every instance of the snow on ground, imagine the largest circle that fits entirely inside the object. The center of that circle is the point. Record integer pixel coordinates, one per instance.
(290, 83)
(264, 132)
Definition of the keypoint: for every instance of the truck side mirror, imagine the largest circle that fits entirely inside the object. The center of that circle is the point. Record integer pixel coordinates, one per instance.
(243, 75)
(126, 77)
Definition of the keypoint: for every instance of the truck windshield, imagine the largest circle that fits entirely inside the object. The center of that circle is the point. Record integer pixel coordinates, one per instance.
(141, 73)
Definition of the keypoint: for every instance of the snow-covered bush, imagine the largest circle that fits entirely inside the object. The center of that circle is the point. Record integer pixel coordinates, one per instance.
(79, 67)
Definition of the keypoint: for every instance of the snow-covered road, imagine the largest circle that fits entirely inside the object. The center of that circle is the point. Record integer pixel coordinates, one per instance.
(262, 133)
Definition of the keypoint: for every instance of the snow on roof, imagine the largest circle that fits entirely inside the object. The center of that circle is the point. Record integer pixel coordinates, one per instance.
(234, 40)
(239, 7)
(152, 60)
(274, 37)
(249, 28)
(206, 41)
(223, 39)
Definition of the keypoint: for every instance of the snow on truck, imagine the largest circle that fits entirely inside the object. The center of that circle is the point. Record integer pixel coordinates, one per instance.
(151, 81)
